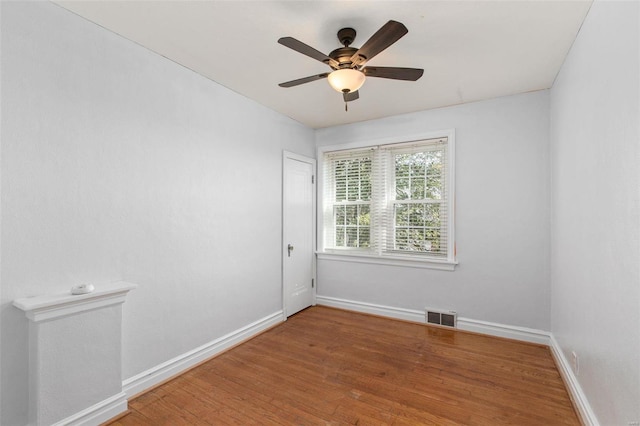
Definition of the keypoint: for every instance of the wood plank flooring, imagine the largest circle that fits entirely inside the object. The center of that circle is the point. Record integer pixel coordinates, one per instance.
(328, 366)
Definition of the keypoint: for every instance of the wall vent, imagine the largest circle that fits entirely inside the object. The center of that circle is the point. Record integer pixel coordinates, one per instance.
(444, 318)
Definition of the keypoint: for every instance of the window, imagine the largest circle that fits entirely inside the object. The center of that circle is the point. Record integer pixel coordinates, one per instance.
(350, 201)
(390, 201)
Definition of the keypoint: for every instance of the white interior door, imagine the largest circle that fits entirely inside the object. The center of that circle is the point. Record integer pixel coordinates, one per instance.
(298, 265)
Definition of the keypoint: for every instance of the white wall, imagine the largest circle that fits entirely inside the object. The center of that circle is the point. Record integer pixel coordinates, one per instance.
(502, 216)
(595, 272)
(119, 164)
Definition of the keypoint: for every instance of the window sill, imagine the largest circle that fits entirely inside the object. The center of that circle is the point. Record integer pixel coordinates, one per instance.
(442, 265)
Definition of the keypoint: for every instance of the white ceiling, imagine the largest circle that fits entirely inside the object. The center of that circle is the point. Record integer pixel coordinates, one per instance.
(470, 50)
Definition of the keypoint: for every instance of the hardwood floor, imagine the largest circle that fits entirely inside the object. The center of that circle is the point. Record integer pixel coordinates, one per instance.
(327, 366)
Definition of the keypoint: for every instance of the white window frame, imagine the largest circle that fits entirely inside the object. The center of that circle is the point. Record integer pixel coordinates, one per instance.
(418, 260)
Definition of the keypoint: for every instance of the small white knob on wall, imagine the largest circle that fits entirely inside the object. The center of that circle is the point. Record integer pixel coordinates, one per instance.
(82, 289)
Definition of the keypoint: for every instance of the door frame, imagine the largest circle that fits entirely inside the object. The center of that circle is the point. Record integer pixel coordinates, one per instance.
(287, 155)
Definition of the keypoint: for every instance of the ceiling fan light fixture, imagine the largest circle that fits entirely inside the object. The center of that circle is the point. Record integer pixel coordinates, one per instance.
(346, 80)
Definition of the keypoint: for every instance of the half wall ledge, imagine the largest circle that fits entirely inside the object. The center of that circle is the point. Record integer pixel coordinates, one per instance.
(75, 356)
(42, 308)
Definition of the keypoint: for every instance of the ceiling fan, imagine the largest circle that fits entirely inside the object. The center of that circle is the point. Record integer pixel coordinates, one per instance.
(347, 63)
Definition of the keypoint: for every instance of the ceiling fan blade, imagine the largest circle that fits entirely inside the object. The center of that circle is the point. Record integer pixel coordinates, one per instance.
(304, 80)
(351, 96)
(390, 32)
(307, 50)
(411, 74)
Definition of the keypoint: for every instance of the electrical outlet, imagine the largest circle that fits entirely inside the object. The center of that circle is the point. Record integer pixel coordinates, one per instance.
(574, 361)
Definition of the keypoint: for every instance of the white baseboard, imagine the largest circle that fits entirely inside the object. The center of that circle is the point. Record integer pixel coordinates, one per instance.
(147, 379)
(370, 308)
(466, 324)
(578, 397)
(98, 413)
(524, 334)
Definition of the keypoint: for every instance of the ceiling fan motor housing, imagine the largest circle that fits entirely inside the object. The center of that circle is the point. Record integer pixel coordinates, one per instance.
(343, 56)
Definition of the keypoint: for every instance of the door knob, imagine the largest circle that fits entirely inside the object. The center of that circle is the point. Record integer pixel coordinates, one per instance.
(289, 250)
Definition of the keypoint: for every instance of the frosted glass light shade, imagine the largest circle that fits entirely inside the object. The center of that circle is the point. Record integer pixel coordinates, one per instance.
(346, 79)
